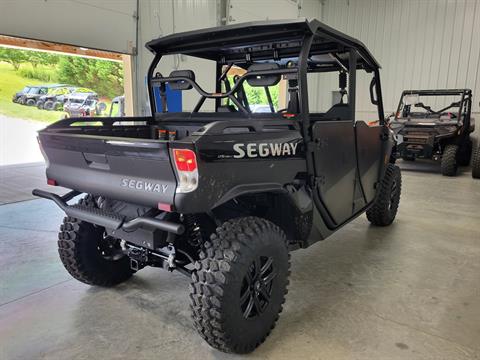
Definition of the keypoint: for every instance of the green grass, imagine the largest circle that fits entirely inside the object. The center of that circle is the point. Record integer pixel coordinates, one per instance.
(10, 83)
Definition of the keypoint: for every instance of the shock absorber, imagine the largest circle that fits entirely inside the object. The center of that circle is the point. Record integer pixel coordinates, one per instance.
(193, 230)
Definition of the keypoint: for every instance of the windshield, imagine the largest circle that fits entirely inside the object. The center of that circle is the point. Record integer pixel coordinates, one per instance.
(34, 91)
(76, 101)
(429, 106)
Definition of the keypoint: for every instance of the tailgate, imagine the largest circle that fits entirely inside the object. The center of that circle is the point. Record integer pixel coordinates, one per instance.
(132, 170)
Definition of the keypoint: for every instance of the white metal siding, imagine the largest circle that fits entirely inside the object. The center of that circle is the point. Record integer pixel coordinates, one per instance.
(163, 17)
(239, 11)
(419, 43)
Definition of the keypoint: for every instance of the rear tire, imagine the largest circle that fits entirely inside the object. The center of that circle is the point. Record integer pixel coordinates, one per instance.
(57, 106)
(40, 105)
(449, 165)
(239, 285)
(79, 247)
(465, 153)
(48, 105)
(30, 102)
(476, 162)
(384, 209)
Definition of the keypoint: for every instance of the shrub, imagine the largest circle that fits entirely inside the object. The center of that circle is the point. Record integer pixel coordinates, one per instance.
(47, 75)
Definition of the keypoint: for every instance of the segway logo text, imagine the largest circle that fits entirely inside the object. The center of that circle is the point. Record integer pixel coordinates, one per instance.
(144, 185)
(264, 150)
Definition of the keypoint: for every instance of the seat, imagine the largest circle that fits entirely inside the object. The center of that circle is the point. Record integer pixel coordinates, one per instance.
(338, 112)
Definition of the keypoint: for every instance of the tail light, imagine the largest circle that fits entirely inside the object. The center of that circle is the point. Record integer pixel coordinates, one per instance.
(186, 166)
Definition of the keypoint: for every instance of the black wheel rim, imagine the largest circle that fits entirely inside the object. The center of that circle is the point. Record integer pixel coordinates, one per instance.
(257, 286)
(109, 248)
(393, 194)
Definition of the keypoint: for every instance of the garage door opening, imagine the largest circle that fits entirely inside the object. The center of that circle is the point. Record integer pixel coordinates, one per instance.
(42, 82)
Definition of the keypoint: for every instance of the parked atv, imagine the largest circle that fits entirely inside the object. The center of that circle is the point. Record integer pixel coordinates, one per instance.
(18, 95)
(36, 92)
(55, 99)
(29, 97)
(83, 104)
(429, 132)
(224, 196)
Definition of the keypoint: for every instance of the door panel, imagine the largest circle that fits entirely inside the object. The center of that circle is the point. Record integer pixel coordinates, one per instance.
(370, 156)
(335, 167)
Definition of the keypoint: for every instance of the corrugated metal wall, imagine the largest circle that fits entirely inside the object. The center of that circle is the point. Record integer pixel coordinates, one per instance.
(163, 17)
(419, 43)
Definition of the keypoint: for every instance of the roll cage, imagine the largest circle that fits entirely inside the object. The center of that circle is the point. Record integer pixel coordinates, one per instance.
(299, 46)
(464, 105)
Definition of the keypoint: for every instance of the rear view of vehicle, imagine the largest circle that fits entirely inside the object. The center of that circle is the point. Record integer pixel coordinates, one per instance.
(435, 124)
(222, 187)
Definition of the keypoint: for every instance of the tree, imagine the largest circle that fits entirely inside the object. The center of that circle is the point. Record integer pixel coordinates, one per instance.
(103, 76)
(13, 56)
(42, 58)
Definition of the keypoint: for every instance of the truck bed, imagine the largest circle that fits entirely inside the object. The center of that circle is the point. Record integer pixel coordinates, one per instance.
(121, 161)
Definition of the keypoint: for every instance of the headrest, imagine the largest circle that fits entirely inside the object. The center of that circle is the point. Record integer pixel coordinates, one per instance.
(181, 84)
(263, 80)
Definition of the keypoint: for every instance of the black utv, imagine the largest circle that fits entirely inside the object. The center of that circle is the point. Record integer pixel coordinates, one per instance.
(36, 92)
(222, 196)
(18, 95)
(433, 124)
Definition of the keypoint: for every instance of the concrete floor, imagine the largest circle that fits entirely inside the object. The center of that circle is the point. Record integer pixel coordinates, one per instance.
(409, 291)
(17, 182)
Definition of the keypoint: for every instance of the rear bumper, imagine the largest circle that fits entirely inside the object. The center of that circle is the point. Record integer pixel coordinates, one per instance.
(108, 220)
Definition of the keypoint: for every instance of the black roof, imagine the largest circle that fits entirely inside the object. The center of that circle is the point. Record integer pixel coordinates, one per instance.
(232, 42)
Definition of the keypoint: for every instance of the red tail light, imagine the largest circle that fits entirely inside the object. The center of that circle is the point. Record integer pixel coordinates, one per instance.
(51, 182)
(185, 159)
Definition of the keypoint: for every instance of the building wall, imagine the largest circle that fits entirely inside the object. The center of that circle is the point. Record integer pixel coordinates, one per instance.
(162, 17)
(421, 44)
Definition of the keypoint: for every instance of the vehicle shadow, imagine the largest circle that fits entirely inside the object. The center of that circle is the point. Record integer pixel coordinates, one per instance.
(426, 166)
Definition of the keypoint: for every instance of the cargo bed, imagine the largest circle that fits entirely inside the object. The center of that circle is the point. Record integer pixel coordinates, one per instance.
(124, 161)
